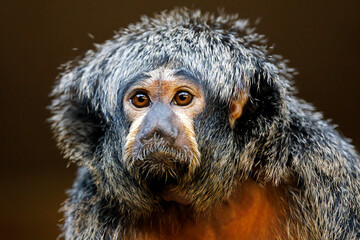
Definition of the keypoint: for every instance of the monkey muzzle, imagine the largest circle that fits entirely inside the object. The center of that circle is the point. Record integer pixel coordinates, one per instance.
(157, 158)
(161, 167)
(159, 152)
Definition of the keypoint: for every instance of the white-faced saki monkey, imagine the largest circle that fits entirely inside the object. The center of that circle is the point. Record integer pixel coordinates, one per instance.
(185, 126)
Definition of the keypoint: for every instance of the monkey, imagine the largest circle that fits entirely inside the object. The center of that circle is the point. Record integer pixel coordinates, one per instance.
(185, 125)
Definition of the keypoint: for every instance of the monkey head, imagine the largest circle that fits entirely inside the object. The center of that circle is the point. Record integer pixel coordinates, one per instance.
(156, 115)
(169, 117)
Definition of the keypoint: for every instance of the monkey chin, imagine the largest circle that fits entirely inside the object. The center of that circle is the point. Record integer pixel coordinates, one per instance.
(162, 172)
(170, 194)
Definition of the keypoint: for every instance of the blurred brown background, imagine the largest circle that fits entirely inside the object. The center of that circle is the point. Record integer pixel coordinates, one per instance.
(321, 38)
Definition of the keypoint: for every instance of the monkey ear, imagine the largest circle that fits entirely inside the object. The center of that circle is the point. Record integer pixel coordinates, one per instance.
(237, 106)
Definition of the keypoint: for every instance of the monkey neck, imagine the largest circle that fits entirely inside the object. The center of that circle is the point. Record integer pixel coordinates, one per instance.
(252, 212)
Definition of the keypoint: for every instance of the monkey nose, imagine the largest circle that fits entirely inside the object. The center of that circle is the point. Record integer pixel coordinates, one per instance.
(168, 133)
(159, 123)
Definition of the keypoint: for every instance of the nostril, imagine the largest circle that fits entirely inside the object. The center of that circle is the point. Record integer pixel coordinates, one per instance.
(169, 135)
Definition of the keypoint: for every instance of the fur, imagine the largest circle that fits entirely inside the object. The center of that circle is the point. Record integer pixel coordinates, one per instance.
(280, 139)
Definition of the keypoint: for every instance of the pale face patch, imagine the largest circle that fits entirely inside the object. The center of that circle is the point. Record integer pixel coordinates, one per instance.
(180, 98)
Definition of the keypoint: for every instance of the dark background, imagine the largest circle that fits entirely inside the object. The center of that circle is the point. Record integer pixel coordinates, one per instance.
(321, 38)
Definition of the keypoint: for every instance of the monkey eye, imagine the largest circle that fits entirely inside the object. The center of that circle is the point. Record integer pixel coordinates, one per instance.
(140, 100)
(182, 98)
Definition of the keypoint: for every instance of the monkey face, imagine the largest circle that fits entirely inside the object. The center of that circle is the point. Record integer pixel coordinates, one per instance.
(161, 143)
(168, 113)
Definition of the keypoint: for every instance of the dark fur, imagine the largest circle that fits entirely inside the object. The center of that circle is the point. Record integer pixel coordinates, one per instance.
(279, 139)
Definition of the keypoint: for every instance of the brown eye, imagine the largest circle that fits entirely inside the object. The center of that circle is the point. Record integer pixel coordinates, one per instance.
(140, 100)
(182, 98)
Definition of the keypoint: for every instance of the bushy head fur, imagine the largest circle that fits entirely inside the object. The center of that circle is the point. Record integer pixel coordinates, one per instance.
(280, 138)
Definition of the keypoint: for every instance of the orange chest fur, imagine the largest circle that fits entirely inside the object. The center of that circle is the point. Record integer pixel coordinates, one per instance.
(253, 212)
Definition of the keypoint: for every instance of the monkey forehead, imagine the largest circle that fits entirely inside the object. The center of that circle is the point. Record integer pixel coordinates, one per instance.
(222, 52)
(164, 80)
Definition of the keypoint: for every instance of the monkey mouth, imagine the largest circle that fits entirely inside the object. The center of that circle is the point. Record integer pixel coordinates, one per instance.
(161, 164)
(157, 157)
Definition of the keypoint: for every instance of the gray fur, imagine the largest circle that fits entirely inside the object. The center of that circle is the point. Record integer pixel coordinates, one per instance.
(279, 138)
